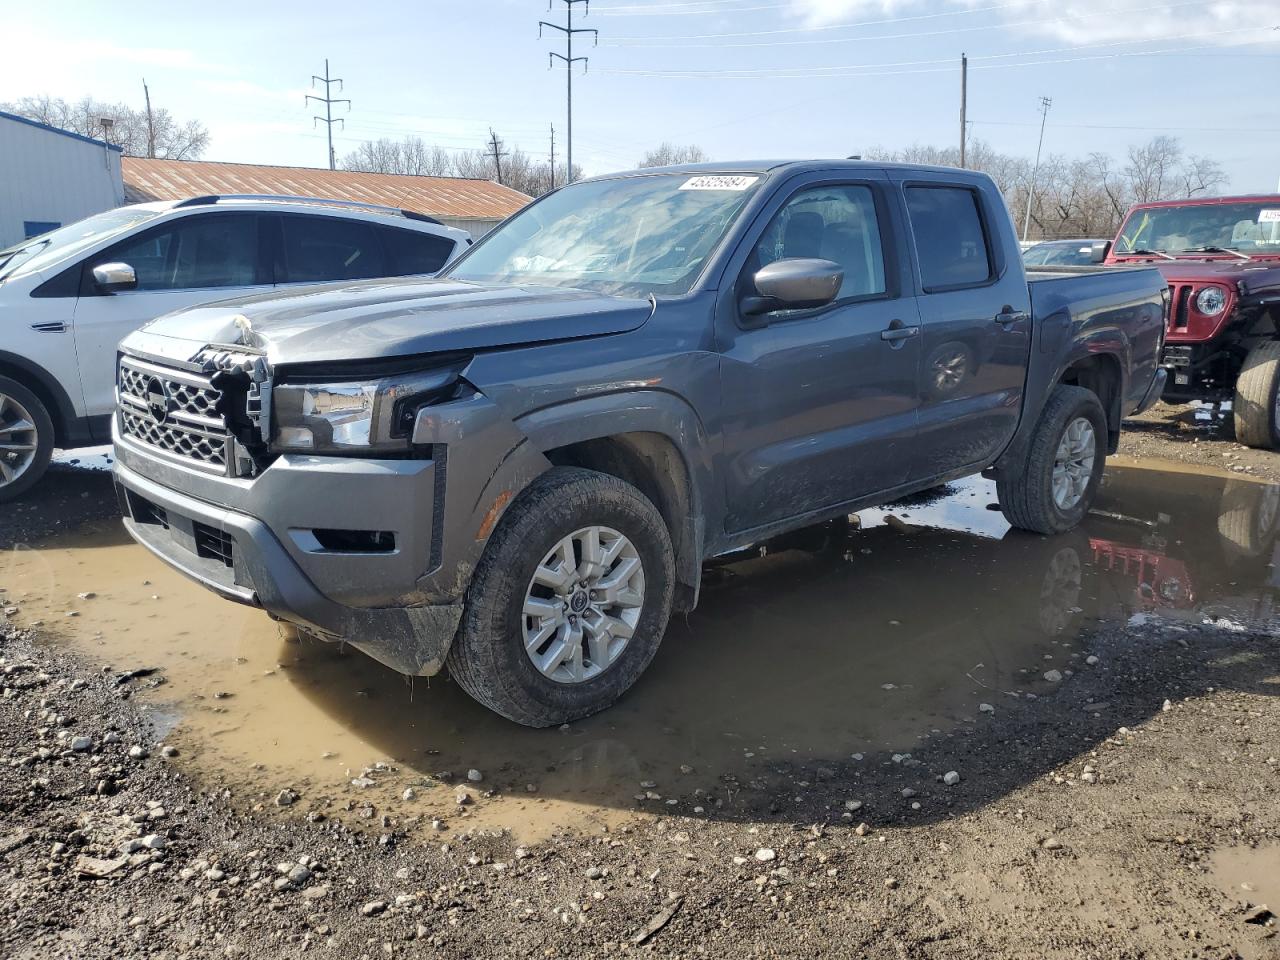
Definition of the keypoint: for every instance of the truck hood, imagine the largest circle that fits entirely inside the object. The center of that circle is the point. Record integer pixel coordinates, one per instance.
(1254, 273)
(378, 319)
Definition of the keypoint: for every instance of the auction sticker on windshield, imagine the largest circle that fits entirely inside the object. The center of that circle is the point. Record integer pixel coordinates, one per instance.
(1269, 216)
(718, 182)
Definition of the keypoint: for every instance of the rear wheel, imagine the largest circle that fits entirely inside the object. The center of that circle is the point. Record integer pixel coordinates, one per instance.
(1057, 484)
(26, 439)
(1256, 410)
(569, 602)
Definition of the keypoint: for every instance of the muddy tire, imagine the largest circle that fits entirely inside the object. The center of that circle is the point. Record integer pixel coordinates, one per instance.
(569, 602)
(1254, 410)
(1055, 487)
(26, 439)
(1247, 518)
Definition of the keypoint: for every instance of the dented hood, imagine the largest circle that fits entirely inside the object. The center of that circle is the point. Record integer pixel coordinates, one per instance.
(377, 319)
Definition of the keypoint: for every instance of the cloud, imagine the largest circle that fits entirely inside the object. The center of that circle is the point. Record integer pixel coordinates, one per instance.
(1072, 21)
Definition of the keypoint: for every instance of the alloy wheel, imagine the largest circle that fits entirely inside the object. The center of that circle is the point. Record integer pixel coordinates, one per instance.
(1073, 463)
(18, 440)
(583, 604)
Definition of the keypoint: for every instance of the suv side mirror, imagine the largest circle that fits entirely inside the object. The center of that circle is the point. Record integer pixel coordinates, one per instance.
(1099, 251)
(796, 283)
(111, 277)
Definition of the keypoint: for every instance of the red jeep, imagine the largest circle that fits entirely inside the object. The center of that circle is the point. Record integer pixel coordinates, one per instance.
(1221, 256)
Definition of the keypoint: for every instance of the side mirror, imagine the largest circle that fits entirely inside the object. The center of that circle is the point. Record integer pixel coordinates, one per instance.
(1099, 250)
(111, 277)
(795, 283)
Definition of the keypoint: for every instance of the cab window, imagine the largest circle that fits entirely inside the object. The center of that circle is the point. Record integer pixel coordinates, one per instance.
(192, 253)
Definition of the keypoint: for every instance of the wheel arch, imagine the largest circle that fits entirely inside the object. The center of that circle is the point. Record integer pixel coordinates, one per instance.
(46, 387)
(1102, 374)
(654, 442)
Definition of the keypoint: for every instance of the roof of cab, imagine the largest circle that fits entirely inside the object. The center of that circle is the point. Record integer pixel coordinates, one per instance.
(791, 166)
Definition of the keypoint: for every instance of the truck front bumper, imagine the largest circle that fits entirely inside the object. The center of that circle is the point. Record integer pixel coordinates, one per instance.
(241, 557)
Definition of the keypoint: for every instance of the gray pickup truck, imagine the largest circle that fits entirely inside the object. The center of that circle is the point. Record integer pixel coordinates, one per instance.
(517, 470)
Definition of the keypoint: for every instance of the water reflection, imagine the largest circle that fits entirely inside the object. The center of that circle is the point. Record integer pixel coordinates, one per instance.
(858, 638)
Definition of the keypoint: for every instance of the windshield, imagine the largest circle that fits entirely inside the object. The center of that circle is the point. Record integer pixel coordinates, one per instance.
(1074, 254)
(57, 245)
(1245, 227)
(630, 236)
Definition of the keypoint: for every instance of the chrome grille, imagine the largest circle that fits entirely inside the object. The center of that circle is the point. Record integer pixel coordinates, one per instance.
(189, 428)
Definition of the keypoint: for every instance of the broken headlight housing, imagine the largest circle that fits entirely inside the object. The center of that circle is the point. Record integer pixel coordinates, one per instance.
(356, 416)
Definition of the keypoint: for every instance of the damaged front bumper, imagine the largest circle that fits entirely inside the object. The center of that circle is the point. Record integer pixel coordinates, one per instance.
(241, 557)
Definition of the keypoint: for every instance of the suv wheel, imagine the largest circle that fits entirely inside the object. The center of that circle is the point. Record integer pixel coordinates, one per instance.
(26, 439)
(569, 602)
(1057, 484)
(1256, 410)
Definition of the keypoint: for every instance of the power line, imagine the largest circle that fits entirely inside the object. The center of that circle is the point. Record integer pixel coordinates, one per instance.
(656, 12)
(963, 12)
(328, 102)
(826, 41)
(870, 70)
(569, 30)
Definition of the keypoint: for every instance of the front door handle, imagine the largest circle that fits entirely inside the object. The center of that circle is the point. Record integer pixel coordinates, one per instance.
(53, 326)
(898, 331)
(1008, 315)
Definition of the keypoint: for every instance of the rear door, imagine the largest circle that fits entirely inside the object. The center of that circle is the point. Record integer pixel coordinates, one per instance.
(180, 263)
(820, 405)
(975, 317)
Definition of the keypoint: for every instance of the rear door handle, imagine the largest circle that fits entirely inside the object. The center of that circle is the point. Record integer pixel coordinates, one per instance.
(898, 331)
(1007, 316)
(53, 326)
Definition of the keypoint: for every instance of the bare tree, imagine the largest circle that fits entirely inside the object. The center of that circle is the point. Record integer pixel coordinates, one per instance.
(174, 139)
(667, 153)
(413, 156)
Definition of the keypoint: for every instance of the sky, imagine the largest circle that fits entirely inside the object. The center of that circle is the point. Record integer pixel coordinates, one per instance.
(743, 79)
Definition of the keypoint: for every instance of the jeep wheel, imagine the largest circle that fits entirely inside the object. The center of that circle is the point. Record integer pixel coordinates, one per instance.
(1055, 488)
(569, 602)
(1256, 410)
(26, 439)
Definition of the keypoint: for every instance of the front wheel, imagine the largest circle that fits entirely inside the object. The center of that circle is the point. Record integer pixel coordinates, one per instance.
(569, 602)
(1057, 484)
(26, 439)
(1256, 410)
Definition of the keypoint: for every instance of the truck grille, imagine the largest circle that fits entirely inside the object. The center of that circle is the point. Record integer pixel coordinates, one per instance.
(173, 411)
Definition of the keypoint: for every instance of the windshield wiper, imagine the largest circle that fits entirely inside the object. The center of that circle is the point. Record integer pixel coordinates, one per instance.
(1148, 253)
(1234, 253)
(29, 249)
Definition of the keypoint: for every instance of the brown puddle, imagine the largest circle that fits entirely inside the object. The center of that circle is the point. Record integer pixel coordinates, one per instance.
(838, 641)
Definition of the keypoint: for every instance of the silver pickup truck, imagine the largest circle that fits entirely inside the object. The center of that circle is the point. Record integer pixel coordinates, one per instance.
(517, 470)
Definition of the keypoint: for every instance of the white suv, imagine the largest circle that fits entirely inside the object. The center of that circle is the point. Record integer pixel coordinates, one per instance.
(68, 297)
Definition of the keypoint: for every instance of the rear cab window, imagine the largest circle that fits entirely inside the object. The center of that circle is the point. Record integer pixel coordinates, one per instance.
(320, 249)
(412, 252)
(952, 243)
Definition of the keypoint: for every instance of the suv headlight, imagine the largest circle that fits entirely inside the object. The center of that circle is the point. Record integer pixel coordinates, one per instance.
(355, 417)
(1211, 301)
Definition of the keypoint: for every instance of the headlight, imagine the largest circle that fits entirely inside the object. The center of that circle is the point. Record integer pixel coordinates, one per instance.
(355, 417)
(1211, 300)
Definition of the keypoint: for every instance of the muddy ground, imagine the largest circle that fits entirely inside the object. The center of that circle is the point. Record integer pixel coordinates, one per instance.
(180, 777)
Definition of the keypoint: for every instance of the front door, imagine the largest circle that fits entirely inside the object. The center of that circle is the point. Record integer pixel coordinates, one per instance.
(820, 405)
(184, 262)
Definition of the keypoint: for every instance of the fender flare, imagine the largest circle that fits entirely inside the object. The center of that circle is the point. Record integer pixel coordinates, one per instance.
(41, 382)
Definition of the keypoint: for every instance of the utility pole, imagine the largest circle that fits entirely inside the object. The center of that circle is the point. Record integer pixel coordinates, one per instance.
(328, 102)
(964, 104)
(1045, 104)
(495, 145)
(569, 59)
(151, 123)
(553, 156)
